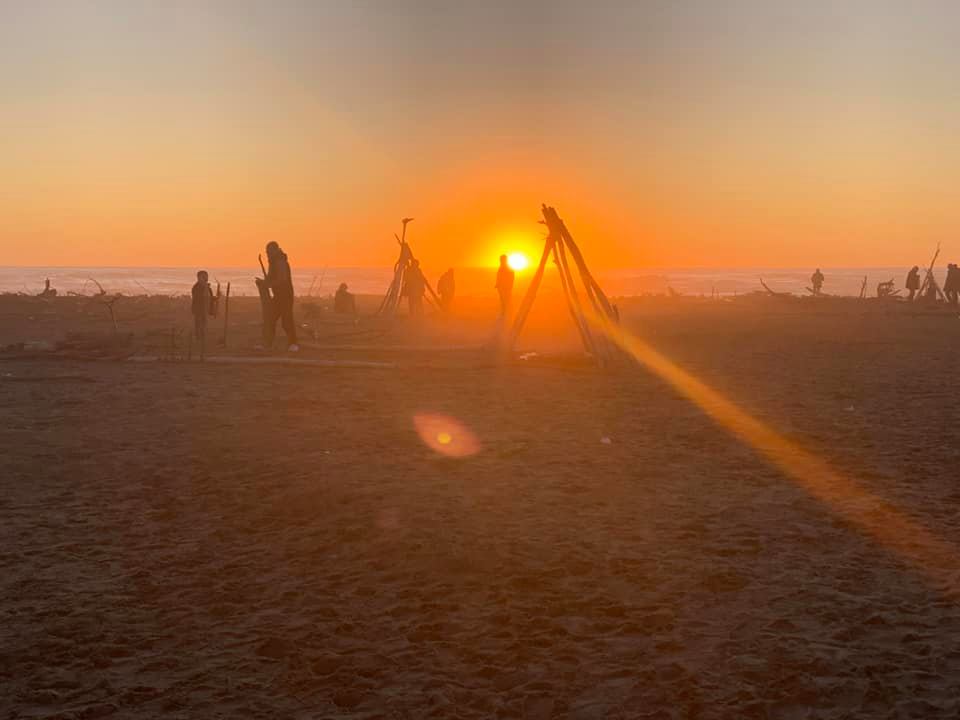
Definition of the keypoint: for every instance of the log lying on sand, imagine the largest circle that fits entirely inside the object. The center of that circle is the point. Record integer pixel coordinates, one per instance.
(394, 348)
(772, 292)
(306, 362)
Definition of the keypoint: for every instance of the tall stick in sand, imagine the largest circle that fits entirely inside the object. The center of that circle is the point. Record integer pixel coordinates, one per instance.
(226, 315)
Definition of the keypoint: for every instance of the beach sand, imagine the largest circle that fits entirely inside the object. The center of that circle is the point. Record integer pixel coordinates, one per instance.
(194, 540)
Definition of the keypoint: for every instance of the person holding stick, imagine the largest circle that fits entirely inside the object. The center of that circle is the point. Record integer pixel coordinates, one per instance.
(280, 280)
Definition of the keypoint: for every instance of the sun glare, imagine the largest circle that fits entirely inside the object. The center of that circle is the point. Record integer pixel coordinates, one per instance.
(517, 261)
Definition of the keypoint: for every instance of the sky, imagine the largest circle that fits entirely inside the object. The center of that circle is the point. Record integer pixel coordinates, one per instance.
(700, 133)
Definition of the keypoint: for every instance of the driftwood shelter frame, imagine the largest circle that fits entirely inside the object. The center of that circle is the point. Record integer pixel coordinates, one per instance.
(592, 324)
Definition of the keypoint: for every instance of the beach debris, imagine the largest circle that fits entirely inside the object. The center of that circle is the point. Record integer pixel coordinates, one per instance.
(606, 440)
(772, 293)
(592, 325)
(886, 289)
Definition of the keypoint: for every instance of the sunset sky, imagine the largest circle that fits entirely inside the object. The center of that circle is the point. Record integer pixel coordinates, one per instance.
(673, 133)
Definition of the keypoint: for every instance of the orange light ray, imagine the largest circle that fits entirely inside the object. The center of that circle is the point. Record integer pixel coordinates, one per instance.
(937, 558)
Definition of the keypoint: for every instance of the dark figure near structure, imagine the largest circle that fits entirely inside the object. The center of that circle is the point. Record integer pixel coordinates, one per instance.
(48, 292)
(817, 281)
(446, 288)
(505, 277)
(414, 285)
(201, 305)
(280, 282)
(951, 286)
(344, 303)
(913, 282)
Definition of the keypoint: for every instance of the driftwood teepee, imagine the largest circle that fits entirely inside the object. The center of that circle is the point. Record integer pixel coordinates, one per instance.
(391, 301)
(929, 286)
(590, 323)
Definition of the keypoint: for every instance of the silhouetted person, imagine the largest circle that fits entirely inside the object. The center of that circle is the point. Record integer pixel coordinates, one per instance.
(505, 277)
(913, 282)
(201, 304)
(817, 281)
(951, 286)
(446, 287)
(48, 292)
(414, 285)
(344, 302)
(280, 281)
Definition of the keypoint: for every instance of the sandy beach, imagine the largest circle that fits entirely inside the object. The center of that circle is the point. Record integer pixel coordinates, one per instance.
(186, 539)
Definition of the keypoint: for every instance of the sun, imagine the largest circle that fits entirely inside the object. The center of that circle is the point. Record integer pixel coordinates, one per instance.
(517, 261)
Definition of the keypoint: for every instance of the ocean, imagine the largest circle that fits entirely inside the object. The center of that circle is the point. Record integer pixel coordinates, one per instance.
(324, 281)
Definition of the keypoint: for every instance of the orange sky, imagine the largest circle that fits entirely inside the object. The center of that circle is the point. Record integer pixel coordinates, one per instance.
(138, 133)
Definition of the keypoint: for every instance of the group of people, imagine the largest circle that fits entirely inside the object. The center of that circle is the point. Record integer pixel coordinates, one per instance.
(951, 285)
(277, 283)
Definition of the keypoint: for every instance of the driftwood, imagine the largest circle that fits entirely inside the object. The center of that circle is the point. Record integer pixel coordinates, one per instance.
(772, 292)
(929, 286)
(305, 362)
(226, 315)
(592, 325)
(108, 303)
(391, 300)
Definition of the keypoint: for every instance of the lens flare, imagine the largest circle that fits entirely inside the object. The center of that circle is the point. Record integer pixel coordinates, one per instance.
(445, 435)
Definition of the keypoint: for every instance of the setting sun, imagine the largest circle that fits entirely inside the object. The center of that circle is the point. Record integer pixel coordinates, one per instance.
(517, 261)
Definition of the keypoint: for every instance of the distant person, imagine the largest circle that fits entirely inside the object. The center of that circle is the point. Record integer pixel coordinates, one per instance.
(817, 281)
(280, 281)
(505, 278)
(344, 303)
(48, 292)
(446, 287)
(913, 282)
(951, 286)
(201, 304)
(414, 285)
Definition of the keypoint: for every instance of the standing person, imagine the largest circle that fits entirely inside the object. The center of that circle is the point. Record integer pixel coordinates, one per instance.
(951, 286)
(913, 282)
(817, 280)
(280, 281)
(505, 277)
(201, 305)
(414, 285)
(446, 287)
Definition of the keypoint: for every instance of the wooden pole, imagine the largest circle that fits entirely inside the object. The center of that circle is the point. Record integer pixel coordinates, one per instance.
(226, 315)
(530, 295)
(575, 313)
(588, 279)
